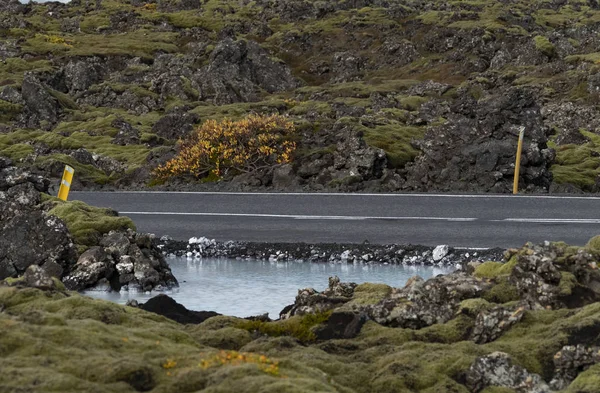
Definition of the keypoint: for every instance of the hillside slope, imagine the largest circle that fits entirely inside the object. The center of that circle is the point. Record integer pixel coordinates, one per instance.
(404, 95)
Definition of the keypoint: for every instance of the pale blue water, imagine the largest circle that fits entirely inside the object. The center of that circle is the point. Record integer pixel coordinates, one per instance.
(246, 288)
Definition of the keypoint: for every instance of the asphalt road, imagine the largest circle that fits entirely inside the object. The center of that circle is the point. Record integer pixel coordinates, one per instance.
(457, 220)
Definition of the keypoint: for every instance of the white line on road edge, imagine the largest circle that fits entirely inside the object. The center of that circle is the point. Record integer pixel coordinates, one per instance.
(300, 217)
(342, 194)
(554, 220)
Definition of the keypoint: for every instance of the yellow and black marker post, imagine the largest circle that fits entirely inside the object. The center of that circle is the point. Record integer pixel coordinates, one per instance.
(65, 184)
(518, 162)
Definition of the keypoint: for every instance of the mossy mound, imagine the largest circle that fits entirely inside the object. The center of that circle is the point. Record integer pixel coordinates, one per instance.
(87, 224)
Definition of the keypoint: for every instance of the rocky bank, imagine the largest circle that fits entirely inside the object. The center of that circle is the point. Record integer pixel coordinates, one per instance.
(385, 96)
(85, 247)
(527, 323)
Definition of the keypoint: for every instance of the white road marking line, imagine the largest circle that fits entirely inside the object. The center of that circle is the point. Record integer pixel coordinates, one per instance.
(301, 217)
(344, 194)
(554, 220)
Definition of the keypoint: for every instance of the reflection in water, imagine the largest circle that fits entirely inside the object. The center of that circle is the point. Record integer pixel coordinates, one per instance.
(245, 288)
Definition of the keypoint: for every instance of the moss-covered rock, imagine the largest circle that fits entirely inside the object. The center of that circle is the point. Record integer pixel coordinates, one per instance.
(86, 223)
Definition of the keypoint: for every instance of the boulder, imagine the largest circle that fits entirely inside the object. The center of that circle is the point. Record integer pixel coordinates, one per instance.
(475, 149)
(497, 369)
(424, 303)
(81, 74)
(122, 261)
(40, 105)
(570, 361)
(239, 70)
(491, 324)
(34, 238)
(169, 308)
(127, 135)
(175, 125)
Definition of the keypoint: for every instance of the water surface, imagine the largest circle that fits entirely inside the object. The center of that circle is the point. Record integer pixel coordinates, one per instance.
(245, 288)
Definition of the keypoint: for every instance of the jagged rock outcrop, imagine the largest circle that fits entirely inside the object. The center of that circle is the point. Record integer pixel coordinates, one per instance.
(28, 236)
(41, 107)
(239, 70)
(122, 261)
(175, 125)
(498, 369)
(474, 150)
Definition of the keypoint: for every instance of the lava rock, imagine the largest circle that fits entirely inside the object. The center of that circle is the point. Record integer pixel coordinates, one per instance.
(169, 308)
(497, 369)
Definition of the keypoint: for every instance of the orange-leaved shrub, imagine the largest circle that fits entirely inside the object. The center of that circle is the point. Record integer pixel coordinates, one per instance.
(231, 147)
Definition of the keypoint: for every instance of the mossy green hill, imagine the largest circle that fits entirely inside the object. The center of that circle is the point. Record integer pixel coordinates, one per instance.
(370, 67)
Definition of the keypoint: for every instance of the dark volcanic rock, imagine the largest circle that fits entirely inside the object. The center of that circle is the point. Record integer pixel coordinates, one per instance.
(81, 74)
(127, 135)
(34, 238)
(175, 125)
(424, 303)
(475, 149)
(239, 70)
(497, 369)
(122, 261)
(167, 307)
(40, 105)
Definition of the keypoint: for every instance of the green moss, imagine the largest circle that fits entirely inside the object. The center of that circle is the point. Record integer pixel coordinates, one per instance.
(412, 103)
(586, 382)
(453, 331)
(495, 269)
(88, 224)
(226, 338)
(567, 283)
(544, 45)
(578, 164)
(395, 140)
(298, 326)
(9, 111)
(502, 292)
(472, 307)
(368, 293)
(594, 243)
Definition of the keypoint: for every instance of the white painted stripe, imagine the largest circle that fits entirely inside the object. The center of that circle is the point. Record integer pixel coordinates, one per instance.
(66, 183)
(317, 194)
(472, 248)
(299, 217)
(554, 220)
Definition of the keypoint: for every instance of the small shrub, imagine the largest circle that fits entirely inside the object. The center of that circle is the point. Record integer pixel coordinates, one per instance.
(230, 147)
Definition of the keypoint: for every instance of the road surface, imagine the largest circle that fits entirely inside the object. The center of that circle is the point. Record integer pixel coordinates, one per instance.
(427, 219)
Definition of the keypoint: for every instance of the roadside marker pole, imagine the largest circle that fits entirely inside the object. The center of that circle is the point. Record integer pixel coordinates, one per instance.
(518, 162)
(65, 183)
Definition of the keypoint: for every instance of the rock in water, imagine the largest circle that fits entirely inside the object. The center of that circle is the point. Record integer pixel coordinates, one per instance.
(128, 261)
(167, 307)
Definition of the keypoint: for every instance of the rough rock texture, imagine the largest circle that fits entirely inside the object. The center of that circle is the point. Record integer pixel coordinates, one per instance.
(40, 105)
(497, 369)
(238, 70)
(175, 125)
(29, 236)
(491, 324)
(475, 148)
(122, 261)
(423, 303)
(572, 360)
